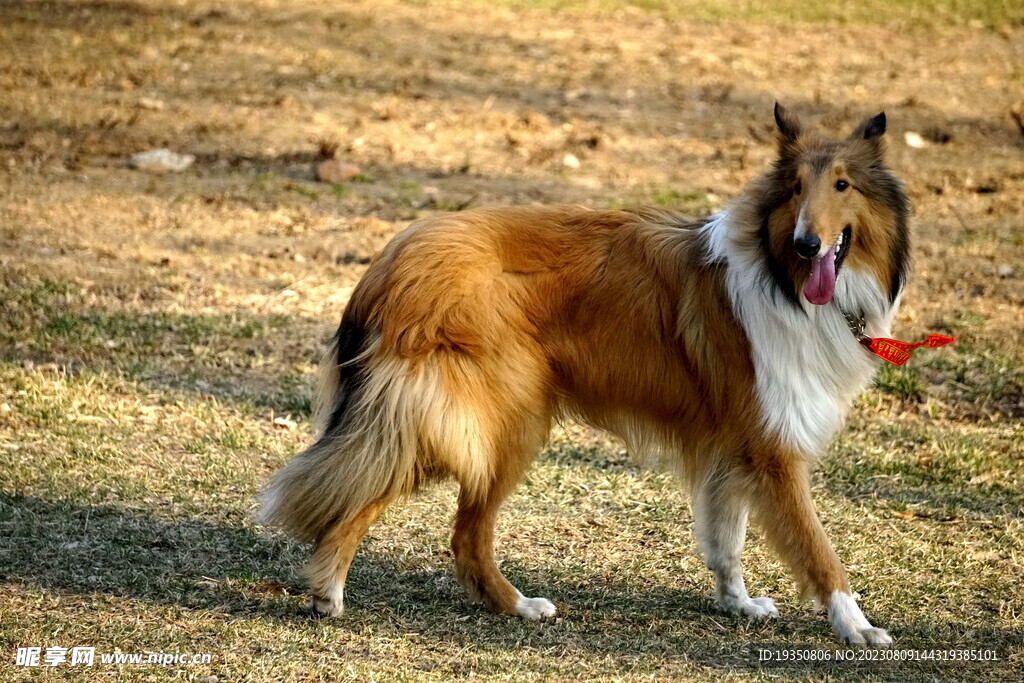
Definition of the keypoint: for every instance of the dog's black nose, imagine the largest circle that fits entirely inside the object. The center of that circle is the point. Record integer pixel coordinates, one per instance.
(807, 245)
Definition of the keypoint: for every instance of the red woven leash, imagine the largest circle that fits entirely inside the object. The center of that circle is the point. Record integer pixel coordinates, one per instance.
(898, 352)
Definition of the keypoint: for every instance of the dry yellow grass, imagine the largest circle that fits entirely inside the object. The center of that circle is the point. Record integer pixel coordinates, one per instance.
(154, 326)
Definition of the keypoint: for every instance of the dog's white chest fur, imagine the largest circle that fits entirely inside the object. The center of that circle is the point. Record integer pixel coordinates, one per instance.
(809, 365)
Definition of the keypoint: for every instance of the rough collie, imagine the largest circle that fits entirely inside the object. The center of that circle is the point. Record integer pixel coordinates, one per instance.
(725, 348)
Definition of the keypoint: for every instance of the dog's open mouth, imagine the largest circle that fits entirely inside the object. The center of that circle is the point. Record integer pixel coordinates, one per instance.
(822, 284)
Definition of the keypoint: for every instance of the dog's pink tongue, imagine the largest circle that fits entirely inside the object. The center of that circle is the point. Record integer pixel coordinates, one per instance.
(822, 285)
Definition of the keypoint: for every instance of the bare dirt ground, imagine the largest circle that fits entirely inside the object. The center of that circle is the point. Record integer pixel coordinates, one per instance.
(154, 326)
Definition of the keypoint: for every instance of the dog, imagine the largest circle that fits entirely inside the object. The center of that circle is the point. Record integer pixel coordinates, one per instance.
(725, 349)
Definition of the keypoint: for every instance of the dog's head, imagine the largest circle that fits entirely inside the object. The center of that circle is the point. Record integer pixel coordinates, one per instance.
(827, 204)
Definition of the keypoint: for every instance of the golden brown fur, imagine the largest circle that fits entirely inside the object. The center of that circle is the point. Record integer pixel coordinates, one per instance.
(472, 332)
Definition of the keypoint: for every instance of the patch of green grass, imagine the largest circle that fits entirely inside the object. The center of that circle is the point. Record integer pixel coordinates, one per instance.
(965, 379)
(264, 180)
(48, 323)
(303, 190)
(901, 381)
(987, 379)
(52, 315)
(196, 446)
(667, 198)
(942, 471)
(144, 332)
(692, 202)
(443, 204)
(967, 321)
(290, 393)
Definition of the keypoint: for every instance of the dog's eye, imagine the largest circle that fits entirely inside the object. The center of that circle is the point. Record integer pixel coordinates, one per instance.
(841, 185)
(798, 188)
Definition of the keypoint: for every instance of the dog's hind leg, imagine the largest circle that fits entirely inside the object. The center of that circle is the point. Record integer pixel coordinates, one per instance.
(473, 538)
(473, 546)
(720, 518)
(332, 556)
(786, 510)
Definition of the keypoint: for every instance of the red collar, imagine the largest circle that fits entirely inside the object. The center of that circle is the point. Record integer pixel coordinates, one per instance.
(898, 352)
(891, 350)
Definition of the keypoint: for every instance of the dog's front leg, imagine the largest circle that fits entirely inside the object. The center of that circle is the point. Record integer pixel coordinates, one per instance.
(781, 493)
(720, 520)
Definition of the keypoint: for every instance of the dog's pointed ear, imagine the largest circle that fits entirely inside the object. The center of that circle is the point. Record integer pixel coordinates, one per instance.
(870, 129)
(788, 124)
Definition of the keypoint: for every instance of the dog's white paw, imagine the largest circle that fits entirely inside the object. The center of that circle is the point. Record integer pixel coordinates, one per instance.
(755, 608)
(534, 608)
(326, 608)
(762, 608)
(850, 624)
(877, 637)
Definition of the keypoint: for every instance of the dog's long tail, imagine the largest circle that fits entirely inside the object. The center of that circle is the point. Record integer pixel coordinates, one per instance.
(366, 449)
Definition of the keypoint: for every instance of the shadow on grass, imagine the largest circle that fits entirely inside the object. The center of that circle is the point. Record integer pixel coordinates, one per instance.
(196, 564)
(948, 500)
(66, 547)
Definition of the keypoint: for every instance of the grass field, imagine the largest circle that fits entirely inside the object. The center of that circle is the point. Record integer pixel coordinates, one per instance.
(159, 333)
